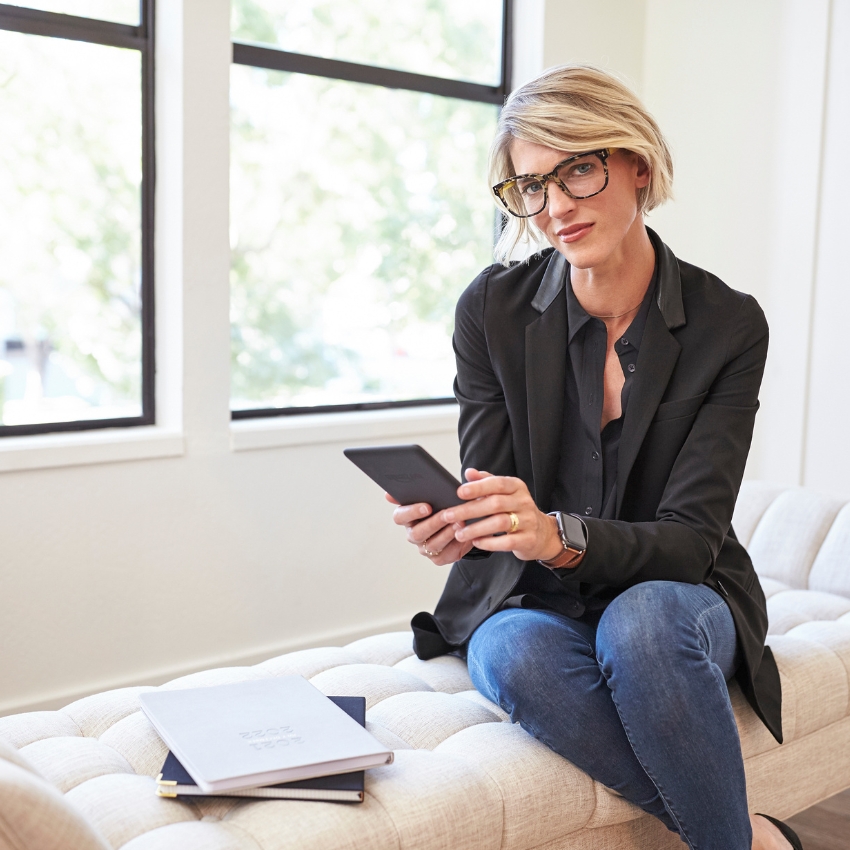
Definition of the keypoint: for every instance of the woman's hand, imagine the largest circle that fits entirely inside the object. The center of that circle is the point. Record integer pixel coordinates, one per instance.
(432, 535)
(496, 497)
(446, 537)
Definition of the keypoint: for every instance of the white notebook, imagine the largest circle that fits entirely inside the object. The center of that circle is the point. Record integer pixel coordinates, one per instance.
(260, 733)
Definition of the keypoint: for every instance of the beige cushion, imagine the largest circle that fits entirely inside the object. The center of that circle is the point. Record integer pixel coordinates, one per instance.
(67, 762)
(35, 816)
(831, 569)
(445, 673)
(22, 729)
(373, 681)
(123, 806)
(786, 540)
(424, 719)
(388, 649)
(753, 500)
(790, 608)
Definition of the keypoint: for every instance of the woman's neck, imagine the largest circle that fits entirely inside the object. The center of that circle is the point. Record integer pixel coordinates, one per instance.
(614, 290)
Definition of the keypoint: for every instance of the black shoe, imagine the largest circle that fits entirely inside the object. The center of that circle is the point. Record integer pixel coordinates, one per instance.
(793, 838)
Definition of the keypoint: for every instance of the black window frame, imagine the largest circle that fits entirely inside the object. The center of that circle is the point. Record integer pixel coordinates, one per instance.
(141, 38)
(275, 59)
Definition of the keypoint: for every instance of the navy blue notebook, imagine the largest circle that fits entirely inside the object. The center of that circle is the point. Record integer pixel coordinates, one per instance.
(174, 781)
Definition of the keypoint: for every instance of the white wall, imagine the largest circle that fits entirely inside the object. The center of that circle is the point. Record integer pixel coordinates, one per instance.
(605, 33)
(826, 461)
(739, 89)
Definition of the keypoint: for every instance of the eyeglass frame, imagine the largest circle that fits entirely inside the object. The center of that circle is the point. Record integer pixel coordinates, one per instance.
(552, 176)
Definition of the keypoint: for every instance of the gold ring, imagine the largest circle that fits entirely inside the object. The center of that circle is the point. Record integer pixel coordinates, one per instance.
(514, 522)
(428, 552)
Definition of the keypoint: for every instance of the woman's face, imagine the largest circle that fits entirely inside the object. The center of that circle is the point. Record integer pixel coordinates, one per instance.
(594, 231)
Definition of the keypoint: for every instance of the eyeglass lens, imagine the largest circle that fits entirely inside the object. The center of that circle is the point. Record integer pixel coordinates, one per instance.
(582, 177)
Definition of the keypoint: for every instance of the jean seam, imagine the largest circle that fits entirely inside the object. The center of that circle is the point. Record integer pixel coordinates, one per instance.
(655, 782)
(699, 620)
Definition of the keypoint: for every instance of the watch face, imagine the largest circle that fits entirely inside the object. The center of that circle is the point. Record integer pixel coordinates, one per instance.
(573, 528)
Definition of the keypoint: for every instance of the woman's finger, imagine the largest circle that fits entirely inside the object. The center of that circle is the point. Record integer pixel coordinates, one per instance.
(453, 552)
(435, 544)
(419, 532)
(409, 514)
(499, 523)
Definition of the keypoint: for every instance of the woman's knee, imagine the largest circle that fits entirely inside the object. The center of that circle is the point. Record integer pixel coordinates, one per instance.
(644, 624)
(514, 653)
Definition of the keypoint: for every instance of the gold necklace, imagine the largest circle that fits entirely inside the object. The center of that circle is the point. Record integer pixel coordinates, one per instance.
(620, 315)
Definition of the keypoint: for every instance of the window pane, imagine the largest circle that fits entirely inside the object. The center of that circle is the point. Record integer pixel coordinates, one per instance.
(443, 38)
(359, 214)
(119, 11)
(70, 230)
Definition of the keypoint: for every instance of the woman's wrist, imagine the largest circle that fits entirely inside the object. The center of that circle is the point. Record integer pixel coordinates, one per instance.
(553, 545)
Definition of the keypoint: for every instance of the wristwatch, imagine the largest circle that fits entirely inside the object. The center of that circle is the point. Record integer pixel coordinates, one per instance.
(573, 534)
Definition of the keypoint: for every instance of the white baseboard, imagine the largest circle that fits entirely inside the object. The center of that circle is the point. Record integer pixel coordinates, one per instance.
(58, 699)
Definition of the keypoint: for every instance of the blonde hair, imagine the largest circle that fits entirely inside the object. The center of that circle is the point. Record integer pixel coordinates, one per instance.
(577, 108)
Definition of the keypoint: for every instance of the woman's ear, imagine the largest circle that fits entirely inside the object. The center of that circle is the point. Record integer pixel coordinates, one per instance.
(644, 172)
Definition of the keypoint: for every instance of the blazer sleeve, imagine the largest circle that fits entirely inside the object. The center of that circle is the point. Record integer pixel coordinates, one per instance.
(484, 427)
(694, 514)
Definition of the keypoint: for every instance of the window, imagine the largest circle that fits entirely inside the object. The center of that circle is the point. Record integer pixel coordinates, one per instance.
(359, 204)
(76, 228)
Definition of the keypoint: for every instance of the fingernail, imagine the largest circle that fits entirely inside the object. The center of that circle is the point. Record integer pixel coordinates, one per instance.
(423, 510)
(448, 516)
(458, 526)
(463, 492)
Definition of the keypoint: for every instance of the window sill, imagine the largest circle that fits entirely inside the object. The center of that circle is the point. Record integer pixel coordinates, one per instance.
(312, 428)
(110, 445)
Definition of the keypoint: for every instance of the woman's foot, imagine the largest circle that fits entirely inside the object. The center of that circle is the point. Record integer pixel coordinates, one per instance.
(766, 836)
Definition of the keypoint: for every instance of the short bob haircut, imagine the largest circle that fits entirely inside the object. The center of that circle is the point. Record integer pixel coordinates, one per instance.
(576, 108)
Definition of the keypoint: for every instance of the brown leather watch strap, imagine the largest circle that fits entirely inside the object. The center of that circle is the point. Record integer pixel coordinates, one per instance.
(565, 559)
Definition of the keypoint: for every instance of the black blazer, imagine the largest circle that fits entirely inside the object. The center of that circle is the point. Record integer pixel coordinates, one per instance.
(684, 444)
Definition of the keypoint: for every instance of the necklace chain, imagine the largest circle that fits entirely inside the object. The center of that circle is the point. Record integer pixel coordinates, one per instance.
(619, 315)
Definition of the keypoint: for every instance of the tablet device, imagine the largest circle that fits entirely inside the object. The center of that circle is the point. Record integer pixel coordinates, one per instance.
(409, 474)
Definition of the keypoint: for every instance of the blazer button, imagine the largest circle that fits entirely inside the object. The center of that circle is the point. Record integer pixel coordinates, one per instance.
(588, 511)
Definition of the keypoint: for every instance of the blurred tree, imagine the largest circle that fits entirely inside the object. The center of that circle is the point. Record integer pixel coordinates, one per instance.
(70, 223)
(359, 213)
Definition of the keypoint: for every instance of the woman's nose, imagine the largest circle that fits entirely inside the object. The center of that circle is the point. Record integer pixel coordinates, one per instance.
(560, 203)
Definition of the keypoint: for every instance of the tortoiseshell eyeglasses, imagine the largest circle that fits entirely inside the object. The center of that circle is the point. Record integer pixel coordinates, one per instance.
(580, 176)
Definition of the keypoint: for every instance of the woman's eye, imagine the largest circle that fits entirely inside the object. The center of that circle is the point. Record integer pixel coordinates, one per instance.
(531, 188)
(581, 169)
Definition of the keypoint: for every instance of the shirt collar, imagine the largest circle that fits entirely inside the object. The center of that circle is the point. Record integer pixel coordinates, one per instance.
(578, 317)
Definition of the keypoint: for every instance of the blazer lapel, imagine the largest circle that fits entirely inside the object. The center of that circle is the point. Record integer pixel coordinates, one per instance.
(546, 375)
(659, 352)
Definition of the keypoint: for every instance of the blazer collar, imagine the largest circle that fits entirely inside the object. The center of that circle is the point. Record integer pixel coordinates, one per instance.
(668, 296)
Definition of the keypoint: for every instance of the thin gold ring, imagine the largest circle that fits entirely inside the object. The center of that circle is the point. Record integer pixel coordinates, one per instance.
(514, 522)
(428, 552)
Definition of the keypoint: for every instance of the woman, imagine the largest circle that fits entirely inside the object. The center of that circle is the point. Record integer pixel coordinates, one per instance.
(607, 398)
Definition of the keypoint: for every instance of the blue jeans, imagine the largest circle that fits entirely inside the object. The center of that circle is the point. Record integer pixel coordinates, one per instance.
(636, 697)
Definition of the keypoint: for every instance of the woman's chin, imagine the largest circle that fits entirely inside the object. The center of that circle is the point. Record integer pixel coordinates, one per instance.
(578, 256)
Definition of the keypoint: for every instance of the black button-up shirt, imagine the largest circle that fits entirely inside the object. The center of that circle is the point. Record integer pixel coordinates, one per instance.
(587, 475)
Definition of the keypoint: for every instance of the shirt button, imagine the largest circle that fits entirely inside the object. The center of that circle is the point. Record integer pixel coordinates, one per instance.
(595, 455)
(631, 367)
(588, 511)
(624, 341)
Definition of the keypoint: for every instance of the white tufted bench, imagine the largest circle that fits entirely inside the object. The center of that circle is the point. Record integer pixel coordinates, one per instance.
(464, 776)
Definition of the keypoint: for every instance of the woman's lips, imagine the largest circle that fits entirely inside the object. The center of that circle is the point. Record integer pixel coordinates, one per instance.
(574, 233)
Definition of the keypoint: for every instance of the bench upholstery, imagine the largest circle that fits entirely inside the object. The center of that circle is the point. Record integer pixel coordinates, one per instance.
(464, 776)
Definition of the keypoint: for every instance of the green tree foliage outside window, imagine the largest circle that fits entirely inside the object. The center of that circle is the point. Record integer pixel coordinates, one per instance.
(70, 230)
(358, 215)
